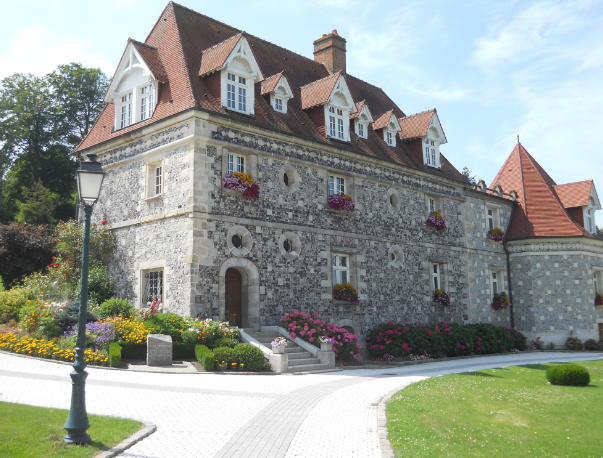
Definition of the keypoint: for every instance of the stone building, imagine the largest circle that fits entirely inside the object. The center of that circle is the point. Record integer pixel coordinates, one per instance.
(200, 100)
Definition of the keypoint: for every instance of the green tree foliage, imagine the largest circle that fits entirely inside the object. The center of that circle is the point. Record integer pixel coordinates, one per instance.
(24, 249)
(38, 205)
(468, 175)
(41, 120)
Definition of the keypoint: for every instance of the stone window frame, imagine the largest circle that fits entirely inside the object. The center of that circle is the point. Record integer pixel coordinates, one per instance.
(150, 183)
(251, 167)
(501, 280)
(353, 269)
(246, 241)
(597, 279)
(395, 256)
(293, 176)
(443, 275)
(295, 242)
(393, 200)
(349, 188)
(439, 204)
(152, 266)
(496, 220)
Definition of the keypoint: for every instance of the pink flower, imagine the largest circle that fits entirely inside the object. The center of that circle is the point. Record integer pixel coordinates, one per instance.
(430, 333)
(311, 339)
(303, 333)
(293, 335)
(406, 329)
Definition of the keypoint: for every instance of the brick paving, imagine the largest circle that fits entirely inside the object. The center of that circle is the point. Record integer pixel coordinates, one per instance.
(218, 415)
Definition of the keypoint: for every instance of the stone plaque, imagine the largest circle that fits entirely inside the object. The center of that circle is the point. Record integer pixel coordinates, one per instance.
(159, 350)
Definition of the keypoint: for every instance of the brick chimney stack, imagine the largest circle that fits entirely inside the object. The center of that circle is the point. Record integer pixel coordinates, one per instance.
(330, 50)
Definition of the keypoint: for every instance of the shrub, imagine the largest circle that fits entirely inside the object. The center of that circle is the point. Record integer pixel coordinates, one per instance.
(69, 315)
(568, 375)
(224, 357)
(114, 355)
(310, 328)
(189, 337)
(399, 340)
(345, 292)
(536, 344)
(100, 284)
(208, 331)
(182, 350)
(14, 300)
(170, 324)
(40, 318)
(249, 357)
(130, 330)
(592, 344)
(133, 350)
(226, 342)
(573, 343)
(205, 356)
(117, 307)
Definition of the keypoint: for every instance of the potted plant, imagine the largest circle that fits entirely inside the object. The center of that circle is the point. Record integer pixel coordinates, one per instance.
(326, 343)
(436, 221)
(345, 292)
(598, 300)
(278, 345)
(500, 301)
(242, 182)
(341, 202)
(496, 234)
(440, 297)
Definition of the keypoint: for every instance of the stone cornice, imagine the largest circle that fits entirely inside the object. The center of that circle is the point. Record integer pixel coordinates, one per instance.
(557, 244)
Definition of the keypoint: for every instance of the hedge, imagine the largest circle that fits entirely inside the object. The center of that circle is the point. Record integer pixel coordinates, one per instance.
(568, 375)
(205, 356)
(400, 340)
(133, 350)
(183, 351)
(115, 354)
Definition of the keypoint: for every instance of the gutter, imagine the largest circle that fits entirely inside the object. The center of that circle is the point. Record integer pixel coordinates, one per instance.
(511, 311)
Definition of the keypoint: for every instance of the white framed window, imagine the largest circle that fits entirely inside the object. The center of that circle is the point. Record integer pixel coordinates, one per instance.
(431, 204)
(152, 286)
(436, 277)
(125, 110)
(146, 102)
(236, 163)
(361, 130)
(389, 138)
(236, 92)
(490, 216)
(278, 104)
(589, 216)
(431, 153)
(598, 281)
(341, 268)
(494, 279)
(336, 185)
(155, 180)
(336, 124)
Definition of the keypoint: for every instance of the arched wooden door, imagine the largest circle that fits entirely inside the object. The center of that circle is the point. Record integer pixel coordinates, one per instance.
(233, 297)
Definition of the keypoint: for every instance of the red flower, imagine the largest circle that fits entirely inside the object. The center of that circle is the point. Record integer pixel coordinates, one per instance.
(104, 222)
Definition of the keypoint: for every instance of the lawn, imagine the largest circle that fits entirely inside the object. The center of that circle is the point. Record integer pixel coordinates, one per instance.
(505, 412)
(36, 432)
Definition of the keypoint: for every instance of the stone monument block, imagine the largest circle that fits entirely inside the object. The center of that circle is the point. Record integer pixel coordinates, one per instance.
(159, 350)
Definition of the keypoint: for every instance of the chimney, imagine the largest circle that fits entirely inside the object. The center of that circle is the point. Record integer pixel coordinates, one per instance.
(330, 50)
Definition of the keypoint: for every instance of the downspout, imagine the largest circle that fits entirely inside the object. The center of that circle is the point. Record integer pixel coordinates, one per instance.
(509, 267)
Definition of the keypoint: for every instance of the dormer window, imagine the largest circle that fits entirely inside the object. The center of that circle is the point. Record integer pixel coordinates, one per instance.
(146, 102)
(430, 153)
(278, 104)
(361, 130)
(362, 118)
(390, 126)
(336, 124)
(389, 138)
(236, 91)
(125, 110)
(589, 216)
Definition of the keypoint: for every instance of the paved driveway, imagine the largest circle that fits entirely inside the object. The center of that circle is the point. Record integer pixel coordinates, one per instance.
(227, 415)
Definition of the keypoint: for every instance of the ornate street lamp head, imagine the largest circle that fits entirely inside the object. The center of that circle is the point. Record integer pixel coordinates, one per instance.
(89, 180)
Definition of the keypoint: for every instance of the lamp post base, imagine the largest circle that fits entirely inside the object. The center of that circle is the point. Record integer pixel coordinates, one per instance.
(77, 437)
(77, 422)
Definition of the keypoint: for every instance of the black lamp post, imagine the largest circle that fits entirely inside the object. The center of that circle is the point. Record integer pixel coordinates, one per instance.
(89, 181)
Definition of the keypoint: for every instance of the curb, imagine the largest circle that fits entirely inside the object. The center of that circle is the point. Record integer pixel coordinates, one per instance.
(149, 428)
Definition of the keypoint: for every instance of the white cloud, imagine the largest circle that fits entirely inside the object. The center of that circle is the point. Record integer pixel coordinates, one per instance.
(39, 51)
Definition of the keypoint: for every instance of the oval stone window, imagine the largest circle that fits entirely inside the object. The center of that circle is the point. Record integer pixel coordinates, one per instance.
(288, 245)
(237, 241)
(286, 179)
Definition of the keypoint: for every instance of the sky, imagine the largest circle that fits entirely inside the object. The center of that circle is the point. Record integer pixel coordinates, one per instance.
(493, 69)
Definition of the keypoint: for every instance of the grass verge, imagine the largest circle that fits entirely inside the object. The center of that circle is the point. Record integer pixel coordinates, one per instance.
(35, 432)
(504, 412)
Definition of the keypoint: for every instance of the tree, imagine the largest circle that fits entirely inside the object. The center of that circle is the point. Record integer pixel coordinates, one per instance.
(38, 206)
(24, 249)
(467, 174)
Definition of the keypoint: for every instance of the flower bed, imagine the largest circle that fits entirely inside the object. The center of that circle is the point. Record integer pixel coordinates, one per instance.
(341, 202)
(436, 221)
(209, 331)
(310, 328)
(242, 182)
(440, 297)
(496, 234)
(345, 292)
(500, 301)
(398, 340)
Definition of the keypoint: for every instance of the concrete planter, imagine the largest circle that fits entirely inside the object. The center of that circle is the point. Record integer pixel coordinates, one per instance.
(278, 350)
(326, 347)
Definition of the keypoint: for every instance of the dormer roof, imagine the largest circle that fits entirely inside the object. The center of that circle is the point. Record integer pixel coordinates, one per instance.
(540, 211)
(387, 120)
(135, 55)
(274, 82)
(332, 88)
(417, 125)
(577, 194)
(233, 48)
(362, 109)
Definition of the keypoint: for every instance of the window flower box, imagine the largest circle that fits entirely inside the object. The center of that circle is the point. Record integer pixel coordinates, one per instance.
(243, 183)
(436, 221)
(345, 292)
(341, 202)
(440, 297)
(598, 300)
(496, 234)
(500, 301)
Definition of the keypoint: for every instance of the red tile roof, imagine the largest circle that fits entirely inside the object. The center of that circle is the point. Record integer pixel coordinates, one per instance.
(383, 120)
(151, 57)
(574, 194)
(540, 212)
(359, 107)
(318, 92)
(270, 83)
(415, 125)
(180, 37)
(215, 57)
